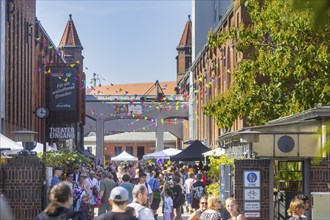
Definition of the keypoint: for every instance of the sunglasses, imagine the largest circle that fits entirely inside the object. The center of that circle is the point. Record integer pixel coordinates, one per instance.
(203, 203)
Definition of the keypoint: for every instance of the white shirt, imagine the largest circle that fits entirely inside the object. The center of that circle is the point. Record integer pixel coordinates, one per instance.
(168, 204)
(187, 185)
(149, 188)
(89, 183)
(142, 212)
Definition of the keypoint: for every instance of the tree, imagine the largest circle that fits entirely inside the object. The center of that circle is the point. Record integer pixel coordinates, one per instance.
(214, 172)
(285, 70)
(64, 158)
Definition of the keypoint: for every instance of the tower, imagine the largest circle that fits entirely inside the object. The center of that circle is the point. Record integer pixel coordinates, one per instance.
(70, 44)
(183, 58)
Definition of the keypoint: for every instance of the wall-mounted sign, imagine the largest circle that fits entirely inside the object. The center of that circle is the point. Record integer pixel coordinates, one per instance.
(61, 133)
(63, 91)
(251, 194)
(251, 178)
(252, 206)
(252, 214)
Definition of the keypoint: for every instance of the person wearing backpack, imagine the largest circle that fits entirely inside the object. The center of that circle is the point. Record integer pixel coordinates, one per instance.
(198, 190)
(178, 197)
(118, 200)
(154, 184)
(140, 199)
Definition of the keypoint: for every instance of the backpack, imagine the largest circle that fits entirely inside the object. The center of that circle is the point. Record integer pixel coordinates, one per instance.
(198, 192)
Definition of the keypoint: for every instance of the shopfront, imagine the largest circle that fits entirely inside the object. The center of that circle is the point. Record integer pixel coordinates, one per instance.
(287, 155)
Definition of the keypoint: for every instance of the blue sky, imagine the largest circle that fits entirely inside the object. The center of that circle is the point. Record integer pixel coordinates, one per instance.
(124, 41)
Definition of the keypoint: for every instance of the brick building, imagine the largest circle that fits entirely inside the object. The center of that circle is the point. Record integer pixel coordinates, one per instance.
(134, 143)
(27, 51)
(261, 154)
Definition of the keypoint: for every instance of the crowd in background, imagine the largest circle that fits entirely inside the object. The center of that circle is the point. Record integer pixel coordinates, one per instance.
(137, 191)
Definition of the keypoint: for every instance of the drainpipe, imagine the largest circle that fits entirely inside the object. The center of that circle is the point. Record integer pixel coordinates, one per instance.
(192, 117)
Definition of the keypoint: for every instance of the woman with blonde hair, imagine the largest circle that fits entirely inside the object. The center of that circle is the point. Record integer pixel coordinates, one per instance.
(232, 208)
(61, 200)
(296, 209)
(202, 207)
(214, 206)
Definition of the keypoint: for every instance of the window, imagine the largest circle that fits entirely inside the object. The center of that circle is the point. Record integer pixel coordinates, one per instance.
(140, 152)
(118, 150)
(129, 149)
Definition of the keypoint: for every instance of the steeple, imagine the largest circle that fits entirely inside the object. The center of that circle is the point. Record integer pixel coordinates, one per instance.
(183, 58)
(70, 36)
(186, 35)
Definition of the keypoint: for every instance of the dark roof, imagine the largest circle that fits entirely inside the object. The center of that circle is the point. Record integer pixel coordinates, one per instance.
(192, 153)
(86, 153)
(70, 36)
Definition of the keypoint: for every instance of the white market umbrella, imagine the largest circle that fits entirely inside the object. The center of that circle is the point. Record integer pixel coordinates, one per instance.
(163, 154)
(215, 152)
(124, 156)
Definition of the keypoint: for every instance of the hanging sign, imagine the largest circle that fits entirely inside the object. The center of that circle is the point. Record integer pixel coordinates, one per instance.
(61, 133)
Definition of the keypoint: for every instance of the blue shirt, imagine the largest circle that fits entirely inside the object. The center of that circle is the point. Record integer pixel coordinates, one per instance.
(55, 180)
(154, 184)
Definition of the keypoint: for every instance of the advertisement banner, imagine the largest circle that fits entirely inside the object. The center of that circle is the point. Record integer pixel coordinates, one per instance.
(63, 89)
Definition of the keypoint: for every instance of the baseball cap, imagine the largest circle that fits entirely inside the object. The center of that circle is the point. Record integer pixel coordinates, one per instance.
(119, 194)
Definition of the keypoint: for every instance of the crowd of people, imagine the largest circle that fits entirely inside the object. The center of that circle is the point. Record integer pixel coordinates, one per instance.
(137, 191)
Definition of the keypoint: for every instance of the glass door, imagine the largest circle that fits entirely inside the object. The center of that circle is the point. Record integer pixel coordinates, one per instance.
(289, 178)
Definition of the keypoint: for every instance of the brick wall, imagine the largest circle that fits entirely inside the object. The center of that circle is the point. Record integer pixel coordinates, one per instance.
(149, 147)
(263, 167)
(320, 176)
(21, 184)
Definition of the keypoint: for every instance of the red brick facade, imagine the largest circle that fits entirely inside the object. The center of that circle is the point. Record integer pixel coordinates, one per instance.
(320, 176)
(149, 147)
(21, 184)
(263, 167)
(20, 65)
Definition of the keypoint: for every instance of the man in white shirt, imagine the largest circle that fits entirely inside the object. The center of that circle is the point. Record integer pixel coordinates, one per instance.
(143, 181)
(187, 186)
(140, 199)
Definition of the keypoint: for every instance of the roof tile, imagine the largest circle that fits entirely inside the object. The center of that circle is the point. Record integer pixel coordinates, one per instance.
(70, 35)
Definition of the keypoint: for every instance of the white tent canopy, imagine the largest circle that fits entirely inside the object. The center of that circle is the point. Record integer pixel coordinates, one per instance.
(11, 146)
(124, 156)
(8, 143)
(163, 154)
(215, 152)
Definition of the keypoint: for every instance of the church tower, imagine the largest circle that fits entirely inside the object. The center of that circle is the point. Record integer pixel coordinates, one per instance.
(183, 59)
(71, 50)
(70, 45)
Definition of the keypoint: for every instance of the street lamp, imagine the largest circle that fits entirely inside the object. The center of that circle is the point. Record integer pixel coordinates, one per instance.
(28, 142)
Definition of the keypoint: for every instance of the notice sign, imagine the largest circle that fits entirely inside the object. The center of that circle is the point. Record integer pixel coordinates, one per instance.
(252, 214)
(252, 206)
(251, 194)
(61, 133)
(251, 178)
(62, 89)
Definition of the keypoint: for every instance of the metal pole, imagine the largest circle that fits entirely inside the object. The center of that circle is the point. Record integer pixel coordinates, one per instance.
(44, 186)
